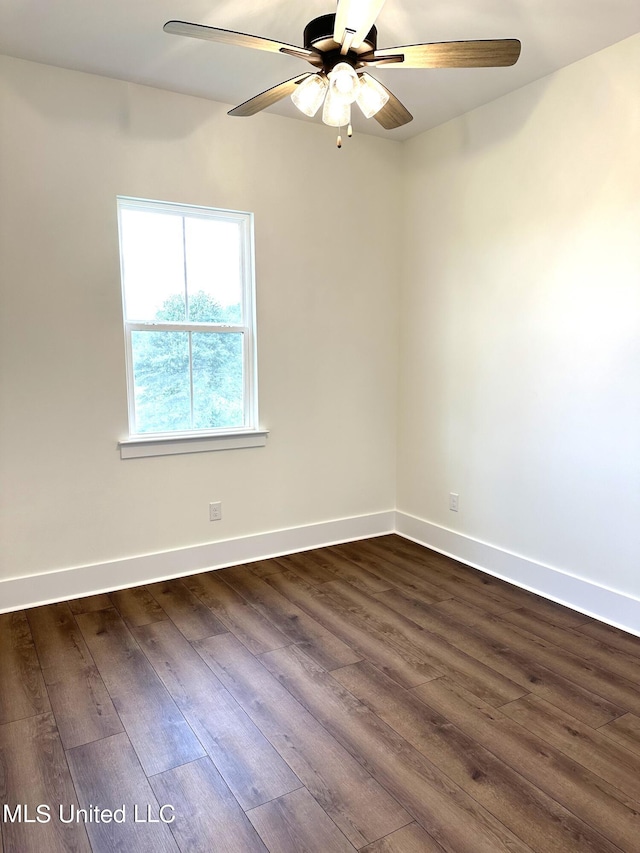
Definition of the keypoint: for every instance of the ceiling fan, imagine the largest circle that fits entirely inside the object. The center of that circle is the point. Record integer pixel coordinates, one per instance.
(341, 47)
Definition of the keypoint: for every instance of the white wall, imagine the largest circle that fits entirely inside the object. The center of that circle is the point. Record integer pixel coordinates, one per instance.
(326, 261)
(518, 227)
(520, 323)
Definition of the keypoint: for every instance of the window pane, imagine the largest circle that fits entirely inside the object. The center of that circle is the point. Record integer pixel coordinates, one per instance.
(214, 274)
(217, 380)
(184, 264)
(153, 265)
(162, 393)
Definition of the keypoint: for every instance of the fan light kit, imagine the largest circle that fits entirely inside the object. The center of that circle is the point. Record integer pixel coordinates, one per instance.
(340, 47)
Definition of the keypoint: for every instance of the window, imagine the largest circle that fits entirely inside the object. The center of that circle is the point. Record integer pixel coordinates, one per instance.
(187, 284)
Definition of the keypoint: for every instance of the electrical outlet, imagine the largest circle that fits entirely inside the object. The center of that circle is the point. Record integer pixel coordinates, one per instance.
(453, 502)
(215, 511)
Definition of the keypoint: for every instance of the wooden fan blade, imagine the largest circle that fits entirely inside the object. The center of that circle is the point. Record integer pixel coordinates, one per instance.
(357, 17)
(489, 53)
(200, 31)
(271, 96)
(393, 114)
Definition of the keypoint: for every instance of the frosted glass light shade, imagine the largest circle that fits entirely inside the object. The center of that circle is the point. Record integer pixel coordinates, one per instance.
(309, 94)
(372, 96)
(336, 111)
(343, 81)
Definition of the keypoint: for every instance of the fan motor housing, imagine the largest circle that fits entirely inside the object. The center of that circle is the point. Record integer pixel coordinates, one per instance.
(318, 34)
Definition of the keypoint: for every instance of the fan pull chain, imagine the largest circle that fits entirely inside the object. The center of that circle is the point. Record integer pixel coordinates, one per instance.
(349, 134)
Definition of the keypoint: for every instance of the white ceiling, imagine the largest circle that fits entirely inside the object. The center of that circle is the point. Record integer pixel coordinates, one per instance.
(124, 39)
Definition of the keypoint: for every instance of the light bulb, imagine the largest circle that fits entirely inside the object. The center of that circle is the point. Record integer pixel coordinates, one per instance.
(372, 96)
(336, 111)
(309, 94)
(343, 80)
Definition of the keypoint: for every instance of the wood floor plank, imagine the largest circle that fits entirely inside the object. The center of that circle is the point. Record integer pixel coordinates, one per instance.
(356, 802)
(586, 795)
(458, 584)
(262, 568)
(626, 731)
(107, 774)
(23, 692)
(454, 819)
(368, 580)
(556, 613)
(467, 613)
(89, 603)
(424, 558)
(186, 611)
(83, 708)
(522, 669)
(611, 636)
(33, 772)
(422, 561)
(394, 570)
(296, 823)
(432, 649)
(588, 648)
(158, 731)
(137, 606)
(623, 692)
(300, 564)
(323, 646)
(207, 816)
(589, 747)
(530, 814)
(400, 660)
(550, 610)
(250, 627)
(249, 764)
(410, 839)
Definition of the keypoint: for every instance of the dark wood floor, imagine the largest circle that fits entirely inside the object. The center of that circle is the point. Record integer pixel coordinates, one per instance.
(372, 696)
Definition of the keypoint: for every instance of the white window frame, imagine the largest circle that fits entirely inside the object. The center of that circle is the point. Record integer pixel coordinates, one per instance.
(192, 441)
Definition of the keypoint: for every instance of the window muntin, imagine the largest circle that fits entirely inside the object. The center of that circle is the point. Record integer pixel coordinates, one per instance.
(187, 281)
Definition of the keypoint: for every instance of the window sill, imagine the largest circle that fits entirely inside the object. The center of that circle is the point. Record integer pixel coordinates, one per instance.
(132, 448)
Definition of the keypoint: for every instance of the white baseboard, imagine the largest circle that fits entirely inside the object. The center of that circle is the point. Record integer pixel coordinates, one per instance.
(615, 608)
(63, 584)
(607, 605)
